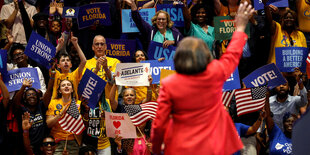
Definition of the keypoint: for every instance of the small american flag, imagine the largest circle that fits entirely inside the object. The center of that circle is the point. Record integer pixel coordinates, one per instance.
(250, 99)
(227, 96)
(72, 121)
(140, 113)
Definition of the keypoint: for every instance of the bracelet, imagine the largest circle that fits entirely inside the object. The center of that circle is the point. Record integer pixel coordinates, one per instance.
(26, 131)
(85, 119)
(53, 71)
(118, 150)
(52, 78)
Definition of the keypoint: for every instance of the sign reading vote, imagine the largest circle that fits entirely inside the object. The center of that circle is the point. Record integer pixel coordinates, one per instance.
(156, 67)
(14, 78)
(119, 124)
(267, 74)
(70, 12)
(3, 60)
(132, 74)
(40, 50)
(175, 12)
(233, 82)
(88, 14)
(123, 50)
(156, 51)
(128, 25)
(288, 58)
(224, 27)
(258, 4)
(91, 87)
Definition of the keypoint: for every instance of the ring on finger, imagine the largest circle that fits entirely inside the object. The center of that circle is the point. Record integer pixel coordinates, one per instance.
(245, 12)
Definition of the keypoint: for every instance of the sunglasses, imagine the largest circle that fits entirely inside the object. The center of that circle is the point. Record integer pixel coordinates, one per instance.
(48, 143)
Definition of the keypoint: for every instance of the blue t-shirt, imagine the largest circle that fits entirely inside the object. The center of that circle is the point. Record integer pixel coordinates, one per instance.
(242, 129)
(279, 143)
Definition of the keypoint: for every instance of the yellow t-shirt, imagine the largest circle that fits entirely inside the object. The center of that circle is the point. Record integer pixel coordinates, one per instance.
(281, 39)
(141, 92)
(303, 15)
(74, 77)
(91, 65)
(55, 106)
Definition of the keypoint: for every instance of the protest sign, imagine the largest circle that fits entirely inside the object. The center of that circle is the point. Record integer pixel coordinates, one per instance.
(132, 74)
(224, 27)
(165, 73)
(88, 14)
(40, 50)
(258, 4)
(70, 12)
(175, 12)
(233, 82)
(119, 124)
(91, 87)
(267, 74)
(156, 51)
(94, 123)
(156, 67)
(288, 58)
(128, 25)
(3, 60)
(14, 78)
(123, 50)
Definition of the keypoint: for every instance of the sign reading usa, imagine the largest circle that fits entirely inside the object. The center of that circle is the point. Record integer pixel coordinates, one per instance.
(156, 51)
(175, 12)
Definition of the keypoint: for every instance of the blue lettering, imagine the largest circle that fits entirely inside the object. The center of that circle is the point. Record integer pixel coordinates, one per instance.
(158, 52)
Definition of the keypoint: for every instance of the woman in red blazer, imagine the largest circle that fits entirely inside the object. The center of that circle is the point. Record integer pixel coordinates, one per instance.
(200, 124)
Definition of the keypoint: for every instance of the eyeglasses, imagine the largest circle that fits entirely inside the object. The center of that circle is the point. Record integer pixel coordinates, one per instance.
(31, 94)
(161, 19)
(18, 54)
(97, 44)
(48, 143)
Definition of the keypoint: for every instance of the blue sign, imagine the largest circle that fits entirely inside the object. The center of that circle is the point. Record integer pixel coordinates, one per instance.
(123, 50)
(258, 4)
(3, 59)
(267, 74)
(89, 14)
(14, 78)
(300, 134)
(70, 12)
(175, 12)
(128, 25)
(91, 87)
(288, 58)
(156, 51)
(156, 66)
(40, 50)
(233, 82)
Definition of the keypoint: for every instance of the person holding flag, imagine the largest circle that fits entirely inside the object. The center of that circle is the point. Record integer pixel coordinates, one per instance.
(200, 123)
(64, 118)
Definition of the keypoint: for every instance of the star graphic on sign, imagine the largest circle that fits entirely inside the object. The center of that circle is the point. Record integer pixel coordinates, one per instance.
(117, 74)
(146, 69)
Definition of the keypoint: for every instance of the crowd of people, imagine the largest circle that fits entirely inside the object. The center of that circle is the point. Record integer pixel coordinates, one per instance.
(190, 117)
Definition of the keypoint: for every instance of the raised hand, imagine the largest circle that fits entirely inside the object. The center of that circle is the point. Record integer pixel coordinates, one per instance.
(244, 13)
(74, 39)
(27, 82)
(26, 123)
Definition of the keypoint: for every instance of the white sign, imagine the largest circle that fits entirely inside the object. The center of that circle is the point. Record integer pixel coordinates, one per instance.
(132, 74)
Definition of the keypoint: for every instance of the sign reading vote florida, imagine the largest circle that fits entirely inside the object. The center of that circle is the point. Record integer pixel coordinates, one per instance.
(123, 50)
(267, 74)
(175, 12)
(70, 12)
(91, 87)
(132, 74)
(128, 25)
(156, 66)
(40, 50)
(233, 82)
(88, 14)
(258, 4)
(156, 51)
(288, 58)
(14, 78)
(225, 27)
(119, 124)
(3, 60)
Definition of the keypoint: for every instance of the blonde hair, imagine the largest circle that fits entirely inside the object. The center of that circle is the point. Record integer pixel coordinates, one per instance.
(169, 21)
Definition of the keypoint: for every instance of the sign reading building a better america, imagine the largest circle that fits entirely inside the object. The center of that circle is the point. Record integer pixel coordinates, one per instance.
(88, 14)
(128, 25)
(175, 12)
(156, 67)
(288, 58)
(132, 74)
(14, 78)
(123, 50)
(224, 27)
(233, 82)
(91, 87)
(119, 124)
(40, 50)
(268, 74)
(156, 51)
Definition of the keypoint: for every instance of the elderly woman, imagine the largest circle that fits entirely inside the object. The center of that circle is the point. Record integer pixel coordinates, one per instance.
(161, 30)
(200, 123)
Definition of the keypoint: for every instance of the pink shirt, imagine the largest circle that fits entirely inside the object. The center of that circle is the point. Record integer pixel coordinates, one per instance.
(139, 147)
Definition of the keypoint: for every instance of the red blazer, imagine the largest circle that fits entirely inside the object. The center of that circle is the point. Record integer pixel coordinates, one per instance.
(200, 124)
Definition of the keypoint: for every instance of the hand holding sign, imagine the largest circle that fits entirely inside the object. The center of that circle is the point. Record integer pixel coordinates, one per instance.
(168, 43)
